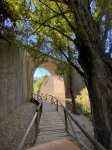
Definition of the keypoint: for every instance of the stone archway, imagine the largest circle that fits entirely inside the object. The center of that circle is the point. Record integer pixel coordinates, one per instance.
(59, 86)
(50, 66)
(54, 85)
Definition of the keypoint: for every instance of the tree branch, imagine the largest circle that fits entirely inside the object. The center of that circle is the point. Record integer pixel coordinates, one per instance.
(48, 6)
(45, 25)
(72, 27)
(42, 24)
(105, 33)
(60, 1)
(74, 66)
(60, 32)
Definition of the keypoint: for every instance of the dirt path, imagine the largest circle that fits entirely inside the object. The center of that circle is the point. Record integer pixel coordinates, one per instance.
(14, 127)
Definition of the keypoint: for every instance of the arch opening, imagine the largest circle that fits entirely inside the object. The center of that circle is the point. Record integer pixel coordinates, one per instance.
(39, 72)
(40, 76)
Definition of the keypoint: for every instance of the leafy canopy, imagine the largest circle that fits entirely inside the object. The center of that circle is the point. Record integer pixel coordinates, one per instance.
(51, 26)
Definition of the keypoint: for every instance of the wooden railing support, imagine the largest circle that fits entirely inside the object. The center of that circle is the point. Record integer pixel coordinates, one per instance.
(41, 109)
(56, 105)
(35, 120)
(27, 133)
(66, 123)
(36, 125)
(52, 100)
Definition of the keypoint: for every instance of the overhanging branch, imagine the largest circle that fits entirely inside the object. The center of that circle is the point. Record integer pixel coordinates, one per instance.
(74, 66)
(60, 32)
(103, 42)
(48, 6)
(47, 20)
(60, 1)
(72, 27)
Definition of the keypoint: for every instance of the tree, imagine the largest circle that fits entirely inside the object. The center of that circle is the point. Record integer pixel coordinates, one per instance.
(91, 32)
(65, 70)
(96, 65)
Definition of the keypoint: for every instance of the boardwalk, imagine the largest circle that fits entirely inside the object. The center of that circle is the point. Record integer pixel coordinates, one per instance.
(51, 126)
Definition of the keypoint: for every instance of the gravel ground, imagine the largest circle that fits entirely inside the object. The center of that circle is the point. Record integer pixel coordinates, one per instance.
(13, 128)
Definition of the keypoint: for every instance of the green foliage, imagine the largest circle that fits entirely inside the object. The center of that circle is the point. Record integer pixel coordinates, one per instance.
(47, 26)
(83, 103)
(38, 84)
(68, 104)
(47, 18)
(102, 8)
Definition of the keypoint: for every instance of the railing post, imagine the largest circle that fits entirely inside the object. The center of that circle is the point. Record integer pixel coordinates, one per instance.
(66, 123)
(41, 108)
(56, 105)
(37, 120)
(52, 100)
(36, 124)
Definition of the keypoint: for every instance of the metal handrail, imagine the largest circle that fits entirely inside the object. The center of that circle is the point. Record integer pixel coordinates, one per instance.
(88, 136)
(35, 119)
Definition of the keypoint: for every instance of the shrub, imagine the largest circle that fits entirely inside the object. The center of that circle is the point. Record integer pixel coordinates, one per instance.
(37, 85)
(83, 103)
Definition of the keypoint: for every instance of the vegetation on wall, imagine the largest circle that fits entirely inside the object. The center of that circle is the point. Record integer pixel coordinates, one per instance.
(38, 84)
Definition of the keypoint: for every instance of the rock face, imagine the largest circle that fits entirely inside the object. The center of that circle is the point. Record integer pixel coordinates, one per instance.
(13, 78)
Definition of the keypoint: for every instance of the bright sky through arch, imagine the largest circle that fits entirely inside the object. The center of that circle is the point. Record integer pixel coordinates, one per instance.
(39, 72)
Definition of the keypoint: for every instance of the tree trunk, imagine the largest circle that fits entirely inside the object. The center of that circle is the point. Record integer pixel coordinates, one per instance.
(97, 68)
(71, 76)
(98, 79)
(74, 111)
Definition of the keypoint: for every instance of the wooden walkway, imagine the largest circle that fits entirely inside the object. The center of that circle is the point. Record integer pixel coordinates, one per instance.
(51, 126)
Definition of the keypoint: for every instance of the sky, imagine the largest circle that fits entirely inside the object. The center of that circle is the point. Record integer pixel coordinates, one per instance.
(41, 72)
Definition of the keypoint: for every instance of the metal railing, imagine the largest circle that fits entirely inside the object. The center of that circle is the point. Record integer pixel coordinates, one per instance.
(35, 120)
(68, 118)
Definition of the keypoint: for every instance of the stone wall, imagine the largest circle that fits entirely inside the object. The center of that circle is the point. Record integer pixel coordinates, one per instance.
(31, 67)
(13, 78)
(61, 88)
(77, 84)
(54, 85)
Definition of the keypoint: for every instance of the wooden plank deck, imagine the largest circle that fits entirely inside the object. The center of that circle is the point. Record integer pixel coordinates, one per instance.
(51, 126)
